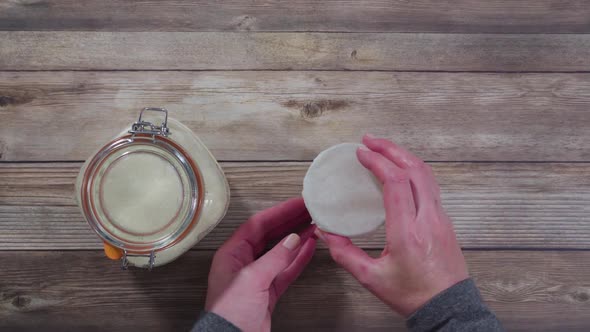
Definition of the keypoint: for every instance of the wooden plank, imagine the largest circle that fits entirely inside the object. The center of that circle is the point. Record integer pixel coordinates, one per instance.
(493, 205)
(34, 50)
(527, 290)
(466, 16)
(439, 116)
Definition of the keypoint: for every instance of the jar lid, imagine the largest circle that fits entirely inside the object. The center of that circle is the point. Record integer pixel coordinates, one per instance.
(142, 192)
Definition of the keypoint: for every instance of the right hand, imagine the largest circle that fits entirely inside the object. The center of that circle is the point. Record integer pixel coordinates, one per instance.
(422, 257)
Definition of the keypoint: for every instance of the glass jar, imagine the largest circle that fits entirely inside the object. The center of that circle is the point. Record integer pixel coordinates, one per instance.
(152, 192)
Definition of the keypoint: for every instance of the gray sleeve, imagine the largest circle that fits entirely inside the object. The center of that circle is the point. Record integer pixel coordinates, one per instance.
(459, 308)
(210, 322)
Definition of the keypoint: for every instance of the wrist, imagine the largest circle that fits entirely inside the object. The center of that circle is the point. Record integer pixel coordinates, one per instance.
(409, 299)
(421, 300)
(410, 304)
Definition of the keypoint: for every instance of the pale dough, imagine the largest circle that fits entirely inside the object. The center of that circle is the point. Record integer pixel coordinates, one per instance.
(342, 196)
(142, 192)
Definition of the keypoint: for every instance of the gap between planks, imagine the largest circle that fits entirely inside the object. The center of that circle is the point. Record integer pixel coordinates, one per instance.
(377, 16)
(527, 290)
(517, 117)
(493, 205)
(50, 50)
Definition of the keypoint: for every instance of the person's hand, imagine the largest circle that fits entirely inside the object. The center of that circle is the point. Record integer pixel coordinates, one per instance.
(422, 257)
(243, 289)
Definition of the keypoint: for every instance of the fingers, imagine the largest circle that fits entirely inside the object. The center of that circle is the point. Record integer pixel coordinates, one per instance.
(273, 222)
(400, 208)
(425, 192)
(291, 225)
(266, 268)
(424, 187)
(292, 272)
(391, 151)
(307, 233)
(350, 257)
(384, 169)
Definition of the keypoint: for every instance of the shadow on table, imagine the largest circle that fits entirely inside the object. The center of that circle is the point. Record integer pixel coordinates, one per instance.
(176, 291)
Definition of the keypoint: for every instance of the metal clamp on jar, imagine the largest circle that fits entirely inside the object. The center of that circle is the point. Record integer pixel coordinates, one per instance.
(152, 192)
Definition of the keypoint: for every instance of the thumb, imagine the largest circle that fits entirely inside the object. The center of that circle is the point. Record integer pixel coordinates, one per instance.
(352, 258)
(267, 267)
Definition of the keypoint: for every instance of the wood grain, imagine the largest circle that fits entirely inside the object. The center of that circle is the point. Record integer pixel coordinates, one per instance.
(464, 16)
(493, 205)
(269, 85)
(64, 50)
(527, 290)
(438, 116)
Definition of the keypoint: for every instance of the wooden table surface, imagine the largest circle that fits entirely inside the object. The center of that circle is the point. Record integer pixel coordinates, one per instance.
(495, 94)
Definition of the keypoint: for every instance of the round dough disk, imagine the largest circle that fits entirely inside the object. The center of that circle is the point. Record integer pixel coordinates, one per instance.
(342, 196)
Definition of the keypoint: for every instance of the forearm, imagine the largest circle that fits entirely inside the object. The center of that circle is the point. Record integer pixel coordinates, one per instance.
(459, 308)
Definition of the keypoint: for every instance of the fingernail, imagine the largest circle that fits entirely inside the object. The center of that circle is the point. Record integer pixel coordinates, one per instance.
(363, 149)
(319, 234)
(292, 241)
(370, 136)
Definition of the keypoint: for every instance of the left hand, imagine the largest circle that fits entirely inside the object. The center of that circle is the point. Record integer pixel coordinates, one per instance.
(243, 289)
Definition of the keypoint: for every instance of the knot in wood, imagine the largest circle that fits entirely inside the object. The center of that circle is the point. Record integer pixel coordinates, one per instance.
(6, 100)
(313, 110)
(21, 302)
